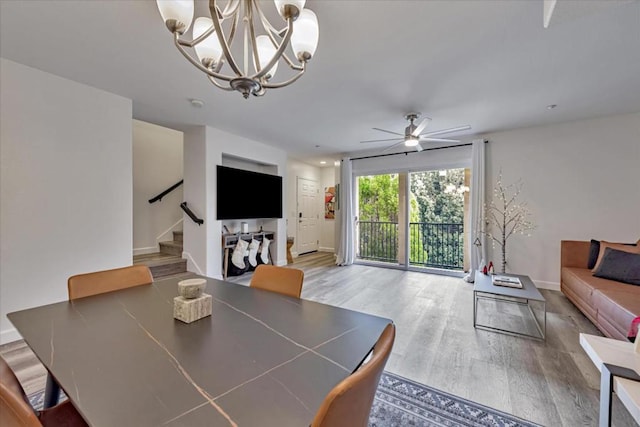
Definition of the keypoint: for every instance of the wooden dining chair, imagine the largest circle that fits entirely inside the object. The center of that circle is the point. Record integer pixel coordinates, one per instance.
(349, 403)
(99, 282)
(286, 281)
(15, 409)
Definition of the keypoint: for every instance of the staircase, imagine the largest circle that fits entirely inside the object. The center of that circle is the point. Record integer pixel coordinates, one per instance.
(168, 261)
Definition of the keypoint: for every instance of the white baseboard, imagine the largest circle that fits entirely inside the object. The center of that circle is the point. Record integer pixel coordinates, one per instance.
(553, 286)
(9, 335)
(325, 249)
(147, 250)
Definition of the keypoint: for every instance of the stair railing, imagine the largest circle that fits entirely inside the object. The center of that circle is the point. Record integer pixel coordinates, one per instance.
(165, 192)
(193, 216)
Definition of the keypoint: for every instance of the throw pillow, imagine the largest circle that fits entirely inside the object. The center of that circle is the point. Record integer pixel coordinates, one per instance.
(238, 254)
(620, 266)
(594, 250)
(619, 246)
(253, 252)
(264, 250)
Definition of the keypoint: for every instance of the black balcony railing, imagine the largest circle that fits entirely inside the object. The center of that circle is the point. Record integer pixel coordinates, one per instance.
(378, 241)
(435, 245)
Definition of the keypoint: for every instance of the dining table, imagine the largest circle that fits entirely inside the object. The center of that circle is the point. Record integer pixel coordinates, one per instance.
(261, 358)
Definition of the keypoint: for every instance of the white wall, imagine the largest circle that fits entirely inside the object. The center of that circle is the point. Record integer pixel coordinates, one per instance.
(204, 148)
(157, 165)
(65, 186)
(581, 181)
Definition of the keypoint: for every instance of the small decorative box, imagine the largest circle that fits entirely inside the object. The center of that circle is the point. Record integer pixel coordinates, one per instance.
(192, 304)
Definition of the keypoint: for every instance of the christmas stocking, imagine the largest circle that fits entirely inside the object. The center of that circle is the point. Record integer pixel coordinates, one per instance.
(238, 254)
(264, 250)
(253, 252)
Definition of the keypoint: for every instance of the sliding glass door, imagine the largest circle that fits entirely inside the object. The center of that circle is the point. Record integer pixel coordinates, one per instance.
(377, 225)
(413, 220)
(437, 212)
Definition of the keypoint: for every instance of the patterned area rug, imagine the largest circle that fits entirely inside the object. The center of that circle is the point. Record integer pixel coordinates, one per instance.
(402, 402)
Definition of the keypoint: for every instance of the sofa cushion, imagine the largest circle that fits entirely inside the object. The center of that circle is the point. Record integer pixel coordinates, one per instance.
(619, 265)
(618, 306)
(618, 246)
(582, 283)
(594, 250)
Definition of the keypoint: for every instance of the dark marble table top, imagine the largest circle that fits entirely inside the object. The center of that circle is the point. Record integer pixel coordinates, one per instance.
(260, 359)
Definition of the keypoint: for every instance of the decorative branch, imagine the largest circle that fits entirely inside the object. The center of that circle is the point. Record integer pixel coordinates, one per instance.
(505, 214)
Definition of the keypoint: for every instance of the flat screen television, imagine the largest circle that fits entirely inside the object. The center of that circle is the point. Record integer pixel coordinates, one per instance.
(245, 194)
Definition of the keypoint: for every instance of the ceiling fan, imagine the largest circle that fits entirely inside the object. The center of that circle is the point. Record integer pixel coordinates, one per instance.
(412, 136)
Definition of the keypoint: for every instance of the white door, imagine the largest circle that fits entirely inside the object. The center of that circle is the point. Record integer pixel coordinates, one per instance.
(308, 216)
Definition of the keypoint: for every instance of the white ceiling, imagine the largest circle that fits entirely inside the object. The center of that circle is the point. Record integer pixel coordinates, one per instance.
(489, 64)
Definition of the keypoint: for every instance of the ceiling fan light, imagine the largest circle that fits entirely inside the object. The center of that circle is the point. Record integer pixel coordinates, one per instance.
(177, 14)
(208, 50)
(304, 39)
(266, 50)
(281, 5)
(411, 141)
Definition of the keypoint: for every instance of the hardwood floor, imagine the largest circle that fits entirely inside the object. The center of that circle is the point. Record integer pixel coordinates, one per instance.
(552, 383)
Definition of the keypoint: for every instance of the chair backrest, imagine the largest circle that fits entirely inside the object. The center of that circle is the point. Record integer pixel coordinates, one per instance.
(99, 282)
(286, 281)
(349, 403)
(14, 407)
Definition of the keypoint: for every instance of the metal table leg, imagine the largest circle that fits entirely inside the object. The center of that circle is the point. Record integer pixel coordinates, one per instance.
(606, 389)
(51, 393)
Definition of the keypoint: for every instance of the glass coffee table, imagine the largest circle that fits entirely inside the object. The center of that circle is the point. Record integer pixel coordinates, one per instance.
(528, 296)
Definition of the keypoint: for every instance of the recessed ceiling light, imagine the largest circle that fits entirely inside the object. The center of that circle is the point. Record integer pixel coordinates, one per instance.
(323, 162)
(198, 103)
(551, 106)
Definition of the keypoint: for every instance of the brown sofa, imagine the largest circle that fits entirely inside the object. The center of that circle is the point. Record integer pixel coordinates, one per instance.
(610, 305)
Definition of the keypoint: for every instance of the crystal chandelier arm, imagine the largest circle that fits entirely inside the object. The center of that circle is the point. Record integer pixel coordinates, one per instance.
(278, 54)
(198, 65)
(288, 82)
(222, 40)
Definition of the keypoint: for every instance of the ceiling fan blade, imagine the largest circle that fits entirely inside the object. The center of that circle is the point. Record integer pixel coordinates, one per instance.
(421, 126)
(379, 140)
(438, 140)
(388, 131)
(443, 131)
(393, 146)
(419, 148)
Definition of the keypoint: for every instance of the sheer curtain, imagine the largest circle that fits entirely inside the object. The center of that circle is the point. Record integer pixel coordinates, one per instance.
(477, 243)
(346, 248)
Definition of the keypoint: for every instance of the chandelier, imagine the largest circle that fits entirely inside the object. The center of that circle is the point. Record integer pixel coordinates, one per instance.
(262, 45)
